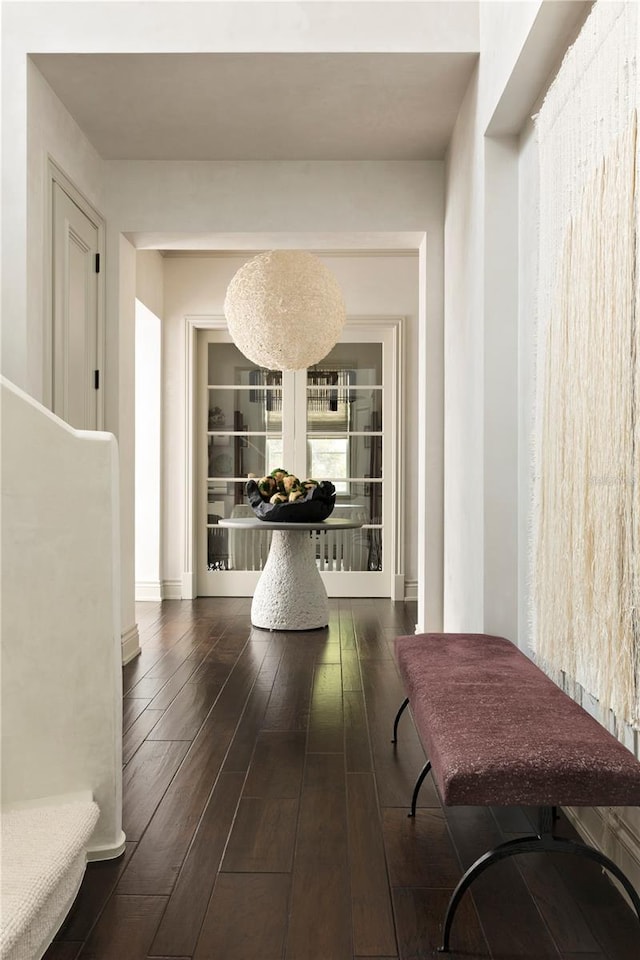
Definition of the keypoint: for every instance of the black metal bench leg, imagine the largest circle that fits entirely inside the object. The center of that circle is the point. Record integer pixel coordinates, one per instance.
(397, 720)
(530, 845)
(416, 789)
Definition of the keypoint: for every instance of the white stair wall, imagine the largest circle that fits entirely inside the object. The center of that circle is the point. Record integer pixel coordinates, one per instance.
(61, 656)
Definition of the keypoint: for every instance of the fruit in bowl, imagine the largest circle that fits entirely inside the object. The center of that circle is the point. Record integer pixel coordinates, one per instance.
(281, 497)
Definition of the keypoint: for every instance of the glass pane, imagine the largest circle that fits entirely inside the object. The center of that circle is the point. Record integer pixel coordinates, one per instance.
(337, 458)
(231, 456)
(229, 549)
(248, 549)
(341, 409)
(227, 366)
(227, 499)
(217, 548)
(245, 409)
(346, 550)
(360, 501)
(361, 361)
(328, 459)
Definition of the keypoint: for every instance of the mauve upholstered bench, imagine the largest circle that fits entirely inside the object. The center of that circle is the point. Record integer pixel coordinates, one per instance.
(498, 731)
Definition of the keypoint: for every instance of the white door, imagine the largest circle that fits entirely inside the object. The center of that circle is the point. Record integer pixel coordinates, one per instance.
(75, 376)
(327, 423)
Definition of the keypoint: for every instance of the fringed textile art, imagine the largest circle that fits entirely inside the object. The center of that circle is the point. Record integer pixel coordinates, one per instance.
(586, 590)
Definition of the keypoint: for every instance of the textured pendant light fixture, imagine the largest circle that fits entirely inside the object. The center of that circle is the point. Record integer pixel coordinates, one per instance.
(284, 310)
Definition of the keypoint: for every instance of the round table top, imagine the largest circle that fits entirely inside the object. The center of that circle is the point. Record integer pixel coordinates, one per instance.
(254, 523)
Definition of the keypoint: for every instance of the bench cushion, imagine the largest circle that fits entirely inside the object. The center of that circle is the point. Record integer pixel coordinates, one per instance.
(498, 731)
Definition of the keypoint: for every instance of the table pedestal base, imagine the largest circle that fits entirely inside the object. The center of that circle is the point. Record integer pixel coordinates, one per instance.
(290, 594)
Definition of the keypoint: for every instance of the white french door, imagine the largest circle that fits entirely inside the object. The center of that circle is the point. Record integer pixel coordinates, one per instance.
(336, 421)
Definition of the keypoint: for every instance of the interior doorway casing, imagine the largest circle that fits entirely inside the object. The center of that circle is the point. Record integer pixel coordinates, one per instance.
(392, 327)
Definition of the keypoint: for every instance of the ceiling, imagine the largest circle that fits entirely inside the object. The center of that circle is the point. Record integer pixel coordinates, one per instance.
(203, 106)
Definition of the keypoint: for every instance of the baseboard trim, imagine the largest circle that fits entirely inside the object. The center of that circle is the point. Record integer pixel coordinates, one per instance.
(189, 586)
(130, 640)
(397, 587)
(108, 851)
(150, 590)
(172, 590)
(411, 590)
(609, 830)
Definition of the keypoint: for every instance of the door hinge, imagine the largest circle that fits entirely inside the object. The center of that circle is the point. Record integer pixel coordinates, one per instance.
(96, 379)
(97, 263)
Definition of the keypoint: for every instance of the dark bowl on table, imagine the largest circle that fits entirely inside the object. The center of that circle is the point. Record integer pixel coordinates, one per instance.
(315, 506)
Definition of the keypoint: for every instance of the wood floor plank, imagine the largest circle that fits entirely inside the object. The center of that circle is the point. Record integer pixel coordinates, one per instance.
(63, 950)
(326, 722)
(419, 850)
(244, 740)
(262, 838)
(347, 628)
(277, 765)
(132, 707)
(145, 780)
(169, 662)
(516, 820)
(226, 650)
(138, 732)
(356, 734)
(98, 884)
(190, 708)
(178, 931)
(331, 652)
(373, 930)
(419, 917)
(611, 920)
(396, 765)
(125, 929)
(154, 649)
(291, 697)
(320, 910)
(351, 679)
(172, 687)
(510, 919)
(147, 687)
(372, 645)
(563, 916)
(159, 856)
(233, 932)
(583, 956)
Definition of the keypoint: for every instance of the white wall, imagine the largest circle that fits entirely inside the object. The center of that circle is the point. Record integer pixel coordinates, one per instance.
(150, 280)
(528, 202)
(196, 285)
(61, 676)
(122, 284)
(485, 527)
(505, 27)
(464, 374)
(148, 401)
(147, 459)
(54, 134)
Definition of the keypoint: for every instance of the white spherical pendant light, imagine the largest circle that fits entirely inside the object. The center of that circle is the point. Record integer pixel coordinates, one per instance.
(284, 310)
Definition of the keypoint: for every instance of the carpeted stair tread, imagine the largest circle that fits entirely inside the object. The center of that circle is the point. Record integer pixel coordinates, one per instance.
(40, 847)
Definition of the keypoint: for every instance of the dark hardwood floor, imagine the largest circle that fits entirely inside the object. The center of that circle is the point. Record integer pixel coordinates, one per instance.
(266, 813)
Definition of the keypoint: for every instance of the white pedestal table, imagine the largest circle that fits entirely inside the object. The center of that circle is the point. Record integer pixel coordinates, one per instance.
(290, 594)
